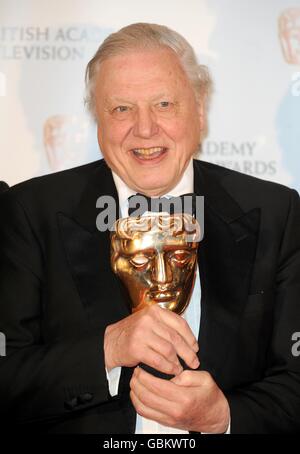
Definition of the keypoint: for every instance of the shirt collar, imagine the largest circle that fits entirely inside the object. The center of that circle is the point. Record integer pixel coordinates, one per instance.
(184, 186)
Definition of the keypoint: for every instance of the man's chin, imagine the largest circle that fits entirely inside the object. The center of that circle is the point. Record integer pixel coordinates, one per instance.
(153, 187)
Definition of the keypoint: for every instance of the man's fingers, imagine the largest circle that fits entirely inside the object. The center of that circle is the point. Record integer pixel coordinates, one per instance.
(154, 336)
(178, 324)
(151, 399)
(154, 359)
(148, 413)
(183, 349)
(165, 349)
(158, 386)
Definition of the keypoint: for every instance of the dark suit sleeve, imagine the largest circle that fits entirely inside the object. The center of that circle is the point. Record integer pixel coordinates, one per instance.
(38, 380)
(272, 405)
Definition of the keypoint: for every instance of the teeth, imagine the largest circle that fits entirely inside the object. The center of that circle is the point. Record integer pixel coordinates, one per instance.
(148, 151)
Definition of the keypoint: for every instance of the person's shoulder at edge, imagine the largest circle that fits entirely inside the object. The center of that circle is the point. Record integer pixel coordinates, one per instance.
(59, 177)
(64, 184)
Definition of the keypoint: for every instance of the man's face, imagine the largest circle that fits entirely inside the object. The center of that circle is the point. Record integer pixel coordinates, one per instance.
(149, 122)
(157, 269)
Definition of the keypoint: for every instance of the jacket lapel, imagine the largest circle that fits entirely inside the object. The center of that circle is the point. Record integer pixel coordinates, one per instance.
(226, 256)
(88, 253)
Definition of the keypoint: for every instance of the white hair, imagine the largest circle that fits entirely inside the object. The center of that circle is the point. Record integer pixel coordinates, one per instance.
(148, 36)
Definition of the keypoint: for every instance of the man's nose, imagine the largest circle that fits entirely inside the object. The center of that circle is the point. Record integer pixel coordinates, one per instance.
(145, 123)
(162, 273)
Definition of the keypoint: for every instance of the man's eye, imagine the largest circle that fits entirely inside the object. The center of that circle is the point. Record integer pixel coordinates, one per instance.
(121, 109)
(164, 105)
(139, 260)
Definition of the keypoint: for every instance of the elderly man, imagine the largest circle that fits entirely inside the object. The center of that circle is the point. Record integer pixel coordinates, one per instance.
(72, 343)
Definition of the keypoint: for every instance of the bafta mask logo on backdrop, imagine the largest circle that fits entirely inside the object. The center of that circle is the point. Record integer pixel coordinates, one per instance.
(155, 256)
(65, 141)
(289, 35)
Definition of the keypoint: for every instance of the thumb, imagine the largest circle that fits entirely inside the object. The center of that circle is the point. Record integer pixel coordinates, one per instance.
(192, 378)
(185, 378)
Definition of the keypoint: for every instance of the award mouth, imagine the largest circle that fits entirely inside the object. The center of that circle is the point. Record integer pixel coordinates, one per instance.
(164, 296)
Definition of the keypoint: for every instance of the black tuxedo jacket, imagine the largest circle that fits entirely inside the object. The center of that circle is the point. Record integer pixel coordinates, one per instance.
(58, 294)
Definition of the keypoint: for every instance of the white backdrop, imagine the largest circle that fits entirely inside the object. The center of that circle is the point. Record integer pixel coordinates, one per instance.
(251, 46)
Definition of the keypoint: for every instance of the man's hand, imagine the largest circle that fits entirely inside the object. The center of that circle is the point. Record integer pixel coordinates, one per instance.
(153, 336)
(190, 401)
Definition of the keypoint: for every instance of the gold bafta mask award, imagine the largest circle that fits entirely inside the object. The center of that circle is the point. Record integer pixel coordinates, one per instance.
(155, 256)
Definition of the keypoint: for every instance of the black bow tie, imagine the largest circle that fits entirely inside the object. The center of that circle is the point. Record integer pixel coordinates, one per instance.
(139, 203)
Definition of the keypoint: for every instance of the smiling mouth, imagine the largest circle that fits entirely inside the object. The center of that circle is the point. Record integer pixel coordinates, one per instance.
(149, 153)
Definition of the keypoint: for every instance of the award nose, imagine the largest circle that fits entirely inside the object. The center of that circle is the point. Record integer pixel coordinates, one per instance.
(162, 273)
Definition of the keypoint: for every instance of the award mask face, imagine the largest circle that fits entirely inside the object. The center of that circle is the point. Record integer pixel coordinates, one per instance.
(155, 256)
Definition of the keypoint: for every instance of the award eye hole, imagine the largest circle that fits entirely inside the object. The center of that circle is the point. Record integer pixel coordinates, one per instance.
(181, 256)
(139, 260)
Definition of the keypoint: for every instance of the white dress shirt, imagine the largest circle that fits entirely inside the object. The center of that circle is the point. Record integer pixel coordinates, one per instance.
(192, 314)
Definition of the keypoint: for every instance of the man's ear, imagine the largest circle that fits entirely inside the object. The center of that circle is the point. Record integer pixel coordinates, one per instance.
(99, 134)
(201, 108)
(202, 115)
